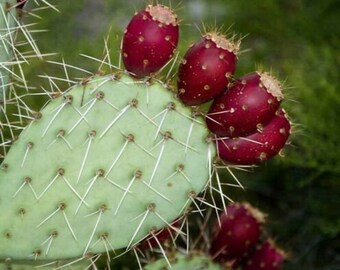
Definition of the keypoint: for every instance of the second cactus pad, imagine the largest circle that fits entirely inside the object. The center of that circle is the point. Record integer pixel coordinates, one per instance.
(179, 261)
(103, 164)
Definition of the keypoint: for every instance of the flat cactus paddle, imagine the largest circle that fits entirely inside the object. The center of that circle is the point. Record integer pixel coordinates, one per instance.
(102, 165)
(179, 261)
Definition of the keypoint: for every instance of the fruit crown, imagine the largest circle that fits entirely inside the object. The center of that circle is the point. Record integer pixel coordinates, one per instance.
(223, 42)
(272, 84)
(162, 14)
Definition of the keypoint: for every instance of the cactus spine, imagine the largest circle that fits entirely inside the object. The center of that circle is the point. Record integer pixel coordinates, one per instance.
(7, 24)
(7, 36)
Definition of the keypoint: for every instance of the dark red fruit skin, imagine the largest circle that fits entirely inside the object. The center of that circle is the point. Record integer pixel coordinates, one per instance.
(239, 231)
(266, 257)
(205, 72)
(241, 109)
(149, 44)
(258, 146)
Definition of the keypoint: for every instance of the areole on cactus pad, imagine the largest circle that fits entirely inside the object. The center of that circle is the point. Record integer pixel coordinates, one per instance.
(119, 155)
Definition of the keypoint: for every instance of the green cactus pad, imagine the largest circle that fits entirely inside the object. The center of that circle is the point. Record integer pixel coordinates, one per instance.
(108, 160)
(8, 59)
(24, 265)
(181, 262)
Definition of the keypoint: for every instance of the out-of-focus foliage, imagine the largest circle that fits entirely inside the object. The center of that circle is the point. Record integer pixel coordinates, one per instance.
(299, 41)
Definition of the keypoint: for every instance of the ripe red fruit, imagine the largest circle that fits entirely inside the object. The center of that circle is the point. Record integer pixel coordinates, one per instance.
(150, 40)
(239, 231)
(206, 69)
(251, 102)
(266, 257)
(258, 146)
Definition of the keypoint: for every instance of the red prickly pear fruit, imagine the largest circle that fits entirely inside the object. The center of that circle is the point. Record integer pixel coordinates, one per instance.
(258, 146)
(150, 40)
(266, 257)
(238, 231)
(206, 69)
(251, 102)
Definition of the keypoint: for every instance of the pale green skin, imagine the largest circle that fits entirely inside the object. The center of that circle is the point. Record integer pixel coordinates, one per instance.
(99, 229)
(38, 265)
(7, 33)
(184, 262)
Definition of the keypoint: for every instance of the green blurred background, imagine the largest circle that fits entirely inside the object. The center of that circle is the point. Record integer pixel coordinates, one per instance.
(299, 41)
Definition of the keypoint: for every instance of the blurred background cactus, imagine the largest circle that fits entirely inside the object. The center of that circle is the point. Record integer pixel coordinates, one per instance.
(299, 41)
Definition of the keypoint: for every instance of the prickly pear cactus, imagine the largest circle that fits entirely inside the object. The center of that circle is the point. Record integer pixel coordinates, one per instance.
(180, 262)
(117, 157)
(100, 166)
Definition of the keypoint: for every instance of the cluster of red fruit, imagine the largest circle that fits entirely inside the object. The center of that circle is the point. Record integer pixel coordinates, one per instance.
(236, 240)
(245, 114)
